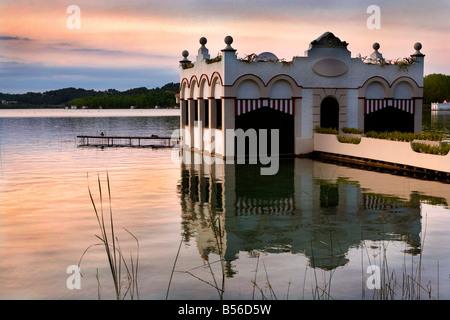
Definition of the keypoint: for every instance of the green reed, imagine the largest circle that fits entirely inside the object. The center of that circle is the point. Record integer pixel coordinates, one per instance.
(217, 281)
(407, 287)
(124, 273)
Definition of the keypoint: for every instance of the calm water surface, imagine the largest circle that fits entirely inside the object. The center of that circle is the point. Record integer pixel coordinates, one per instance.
(309, 232)
(436, 121)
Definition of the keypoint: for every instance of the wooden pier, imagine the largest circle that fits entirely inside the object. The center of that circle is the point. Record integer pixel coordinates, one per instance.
(152, 141)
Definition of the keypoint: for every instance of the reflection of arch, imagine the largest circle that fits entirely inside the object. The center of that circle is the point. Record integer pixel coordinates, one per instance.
(252, 197)
(329, 197)
(329, 113)
(266, 212)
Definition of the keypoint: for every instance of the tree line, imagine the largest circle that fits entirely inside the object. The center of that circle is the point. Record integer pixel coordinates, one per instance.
(139, 97)
(145, 100)
(436, 88)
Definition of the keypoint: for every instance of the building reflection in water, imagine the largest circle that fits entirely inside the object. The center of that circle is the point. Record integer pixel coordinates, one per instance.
(312, 208)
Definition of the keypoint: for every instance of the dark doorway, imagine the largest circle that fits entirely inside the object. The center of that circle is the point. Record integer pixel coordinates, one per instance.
(267, 118)
(389, 119)
(329, 113)
(206, 113)
(185, 108)
(329, 196)
(218, 113)
(250, 184)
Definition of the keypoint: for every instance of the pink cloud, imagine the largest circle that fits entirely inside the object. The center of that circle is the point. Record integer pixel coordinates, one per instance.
(153, 33)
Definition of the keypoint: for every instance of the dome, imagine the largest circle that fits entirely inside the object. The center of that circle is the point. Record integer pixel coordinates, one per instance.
(267, 56)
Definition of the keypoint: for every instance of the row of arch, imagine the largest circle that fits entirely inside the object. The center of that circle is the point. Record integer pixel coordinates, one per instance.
(246, 87)
(390, 107)
(285, 87)
(206, 93)
(202, 88)
(379, 88)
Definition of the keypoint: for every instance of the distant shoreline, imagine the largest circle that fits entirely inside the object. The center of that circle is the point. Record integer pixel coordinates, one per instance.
(26, 107)
(87, 113)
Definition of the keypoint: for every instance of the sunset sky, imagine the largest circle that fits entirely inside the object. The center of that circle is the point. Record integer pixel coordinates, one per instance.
(138, 43)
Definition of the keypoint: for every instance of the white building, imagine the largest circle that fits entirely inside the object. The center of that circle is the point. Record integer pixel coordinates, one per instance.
(435, 106)
(326, 87)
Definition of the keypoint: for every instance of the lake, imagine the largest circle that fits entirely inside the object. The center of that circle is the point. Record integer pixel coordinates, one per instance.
(314, 230)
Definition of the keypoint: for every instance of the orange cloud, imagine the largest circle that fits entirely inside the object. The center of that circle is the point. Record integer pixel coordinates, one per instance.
(153, 33)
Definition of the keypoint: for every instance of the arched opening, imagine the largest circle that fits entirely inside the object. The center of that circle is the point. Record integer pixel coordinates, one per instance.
(184, 94)
(375, 90)
(403, 90)
(329, 113)
(281, 89)
(268, 118)
(393, 114)
(254, 114)
(389, 119)
(248, 89)
(194, 89)
(216, 103)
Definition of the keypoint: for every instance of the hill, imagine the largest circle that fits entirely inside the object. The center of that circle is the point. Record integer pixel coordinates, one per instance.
(111, 98)
(436, 89)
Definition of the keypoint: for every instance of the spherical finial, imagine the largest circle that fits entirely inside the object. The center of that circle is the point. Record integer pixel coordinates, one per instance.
(185, 60)
(228, 40)
(376, 55)
(417, 47)
(203, 41)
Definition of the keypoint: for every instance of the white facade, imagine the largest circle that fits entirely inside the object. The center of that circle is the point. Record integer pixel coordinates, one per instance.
(325, 87)
(435, 106)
